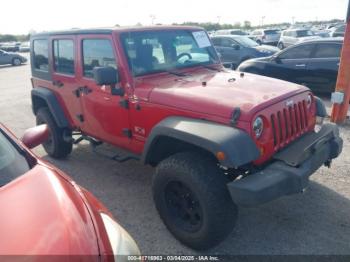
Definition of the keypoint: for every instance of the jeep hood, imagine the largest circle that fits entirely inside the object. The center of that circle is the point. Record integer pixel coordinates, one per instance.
(43, 214)
(219, 93)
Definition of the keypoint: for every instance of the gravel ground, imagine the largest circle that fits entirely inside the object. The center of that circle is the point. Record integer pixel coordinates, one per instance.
(316, 222)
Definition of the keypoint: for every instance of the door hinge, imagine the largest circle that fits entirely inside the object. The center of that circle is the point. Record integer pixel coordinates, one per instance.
(127, 132)
(80, 117)
(124, 103)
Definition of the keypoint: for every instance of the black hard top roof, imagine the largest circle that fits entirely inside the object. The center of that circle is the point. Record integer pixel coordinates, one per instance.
(114, 29)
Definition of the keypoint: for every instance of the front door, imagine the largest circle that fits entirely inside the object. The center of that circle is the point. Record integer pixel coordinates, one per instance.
(291, 65)
(104, 117)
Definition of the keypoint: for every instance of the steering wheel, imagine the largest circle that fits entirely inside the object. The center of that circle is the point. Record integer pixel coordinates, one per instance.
(182, 55)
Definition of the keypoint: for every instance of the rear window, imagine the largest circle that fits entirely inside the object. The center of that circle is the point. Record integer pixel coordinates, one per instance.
(41, 55)
(63, 52)
(12, 163)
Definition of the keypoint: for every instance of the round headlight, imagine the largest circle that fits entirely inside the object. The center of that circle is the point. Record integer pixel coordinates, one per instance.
(309, 101)
(258, 127)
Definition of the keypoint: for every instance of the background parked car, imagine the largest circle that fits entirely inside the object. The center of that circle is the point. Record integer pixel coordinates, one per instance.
(313, 63)
(266, 36)
(294, 36)
(236, 49)
(338, 31)
(44, 212)
(24, 47)
(230, 32)
(11, 58)
(11, 46)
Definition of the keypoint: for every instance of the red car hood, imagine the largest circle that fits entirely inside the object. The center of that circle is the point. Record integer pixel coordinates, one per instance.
(42, 213)
(219, 93)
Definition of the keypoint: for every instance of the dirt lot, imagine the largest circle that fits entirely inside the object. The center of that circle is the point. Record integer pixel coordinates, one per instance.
(316, 222)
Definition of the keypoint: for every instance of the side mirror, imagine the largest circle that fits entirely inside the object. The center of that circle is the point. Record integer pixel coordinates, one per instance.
(277, 59)
(35, 136)
(108, 76)
(236, 47)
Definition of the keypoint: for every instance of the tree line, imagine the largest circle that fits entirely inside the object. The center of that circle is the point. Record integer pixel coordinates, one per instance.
(247, 25)
(14, 38)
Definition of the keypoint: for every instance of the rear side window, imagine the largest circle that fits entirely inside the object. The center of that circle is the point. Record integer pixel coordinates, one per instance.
(298, 52)
(328, 51)
(41, 55)
(97, 52)
(63, 53)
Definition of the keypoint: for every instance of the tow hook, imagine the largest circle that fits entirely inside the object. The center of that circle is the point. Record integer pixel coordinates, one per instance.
(328, 163)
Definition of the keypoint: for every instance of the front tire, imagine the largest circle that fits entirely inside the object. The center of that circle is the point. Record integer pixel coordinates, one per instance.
(280, 45)
(16, 62)
(191, 196)
(55, 146)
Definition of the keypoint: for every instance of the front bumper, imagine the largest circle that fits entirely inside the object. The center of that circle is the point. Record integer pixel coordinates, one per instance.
(290, 170)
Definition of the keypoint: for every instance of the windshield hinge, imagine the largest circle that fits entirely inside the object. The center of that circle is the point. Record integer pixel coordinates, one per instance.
(235, 115)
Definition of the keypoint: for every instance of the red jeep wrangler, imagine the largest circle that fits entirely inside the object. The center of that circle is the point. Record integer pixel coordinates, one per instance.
(218, 139)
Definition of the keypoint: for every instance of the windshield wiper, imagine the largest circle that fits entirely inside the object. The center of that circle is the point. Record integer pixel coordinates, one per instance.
(175, 73)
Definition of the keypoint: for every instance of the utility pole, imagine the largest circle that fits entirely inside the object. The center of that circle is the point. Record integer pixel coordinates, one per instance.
(341, 96)
(153, 17)
(262, 20)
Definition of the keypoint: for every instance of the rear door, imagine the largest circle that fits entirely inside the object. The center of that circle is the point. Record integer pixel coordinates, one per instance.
(64, 74)
(291, 65)
(323, 67)
(104, 117)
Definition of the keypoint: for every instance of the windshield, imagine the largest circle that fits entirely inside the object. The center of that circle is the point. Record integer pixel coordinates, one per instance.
(246, 41)
(12, 163)
(303, 33)
(160, 51)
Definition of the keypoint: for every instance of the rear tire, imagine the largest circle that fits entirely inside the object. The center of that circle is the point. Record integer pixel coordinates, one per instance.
(55, 146)
(16, 62)
(192, 198)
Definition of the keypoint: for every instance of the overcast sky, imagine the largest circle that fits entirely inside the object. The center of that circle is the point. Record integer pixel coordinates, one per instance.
(22, 16)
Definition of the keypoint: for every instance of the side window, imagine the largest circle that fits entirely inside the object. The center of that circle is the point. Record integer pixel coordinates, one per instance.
(226, 42)
(63, 53)
(216, 41)
(328, 51)
(298, 52)
(41, 55)
(97, 52)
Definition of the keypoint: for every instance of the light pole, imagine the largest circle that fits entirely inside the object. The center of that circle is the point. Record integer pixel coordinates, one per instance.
(153, 17)
(219, 18)
(262, 20)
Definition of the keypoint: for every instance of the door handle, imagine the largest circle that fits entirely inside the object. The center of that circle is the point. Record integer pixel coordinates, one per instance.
(300, 65)
(57, 83)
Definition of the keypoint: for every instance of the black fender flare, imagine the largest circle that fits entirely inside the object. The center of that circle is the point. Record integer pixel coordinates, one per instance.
(237, 145)
(52, 103)
(320, 107)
